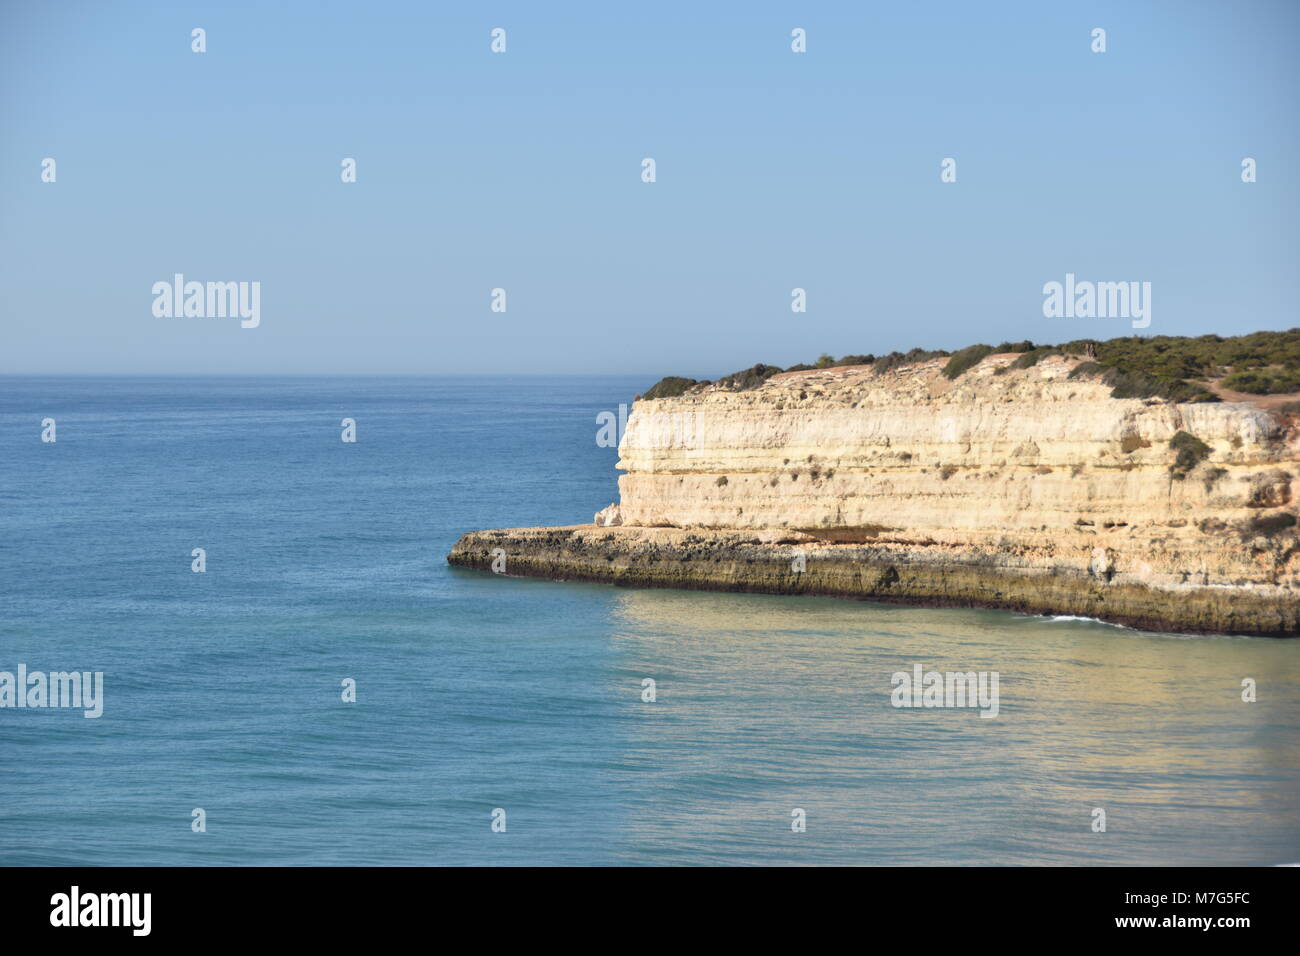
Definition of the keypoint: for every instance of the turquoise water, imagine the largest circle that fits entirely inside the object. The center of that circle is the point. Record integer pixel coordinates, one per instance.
(476, 691)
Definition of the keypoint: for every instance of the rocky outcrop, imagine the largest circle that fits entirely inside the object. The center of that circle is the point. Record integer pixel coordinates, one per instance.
(609, 517)
(1017, 488)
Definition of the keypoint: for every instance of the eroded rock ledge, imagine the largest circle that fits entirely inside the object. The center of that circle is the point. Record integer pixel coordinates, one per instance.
(1022, 489)
(1021, 579)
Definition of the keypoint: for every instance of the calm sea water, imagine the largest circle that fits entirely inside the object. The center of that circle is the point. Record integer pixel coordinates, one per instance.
(475, 691)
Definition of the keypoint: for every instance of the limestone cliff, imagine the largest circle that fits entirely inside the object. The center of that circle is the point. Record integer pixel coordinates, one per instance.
(1022, 488)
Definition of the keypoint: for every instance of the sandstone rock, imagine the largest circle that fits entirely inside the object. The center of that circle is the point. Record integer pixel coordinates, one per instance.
(609, 517)
(1029, 459)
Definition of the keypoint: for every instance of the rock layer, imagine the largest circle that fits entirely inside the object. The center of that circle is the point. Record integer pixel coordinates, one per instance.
(1016, 488)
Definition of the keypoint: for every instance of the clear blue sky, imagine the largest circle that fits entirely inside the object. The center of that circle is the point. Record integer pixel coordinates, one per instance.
(522, 171)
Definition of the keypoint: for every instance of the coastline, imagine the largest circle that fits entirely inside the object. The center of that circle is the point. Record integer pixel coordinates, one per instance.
(1041, 482)
(910, 573)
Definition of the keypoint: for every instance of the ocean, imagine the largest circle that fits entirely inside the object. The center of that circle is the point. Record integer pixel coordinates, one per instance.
(477, 693)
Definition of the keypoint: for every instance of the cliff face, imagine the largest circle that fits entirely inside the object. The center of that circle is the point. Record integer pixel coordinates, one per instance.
(1017, 488)
(1027, 459)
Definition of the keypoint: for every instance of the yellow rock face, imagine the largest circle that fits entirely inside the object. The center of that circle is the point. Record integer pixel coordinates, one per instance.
(1027, 460)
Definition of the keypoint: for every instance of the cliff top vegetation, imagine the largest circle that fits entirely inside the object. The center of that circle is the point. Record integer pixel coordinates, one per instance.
(1173, 367)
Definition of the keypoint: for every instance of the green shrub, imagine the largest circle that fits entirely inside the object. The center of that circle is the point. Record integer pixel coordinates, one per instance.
(1269, 524)
(1213, 476)
(1191, 452)
(1160, 366)
(1031, 357)
(1267, 381)
(1131, 383)
(967, 358)
(895, 360)
(669, 387)
(1169, 356)
(1131, 443)
(750, 377)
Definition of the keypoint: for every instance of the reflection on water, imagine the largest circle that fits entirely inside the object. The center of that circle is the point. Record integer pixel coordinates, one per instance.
(766, 704)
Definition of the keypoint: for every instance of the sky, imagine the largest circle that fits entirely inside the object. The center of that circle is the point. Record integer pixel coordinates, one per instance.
(522, 171)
